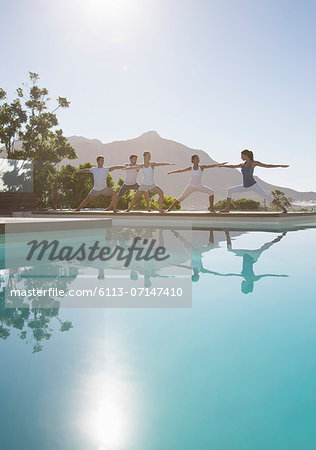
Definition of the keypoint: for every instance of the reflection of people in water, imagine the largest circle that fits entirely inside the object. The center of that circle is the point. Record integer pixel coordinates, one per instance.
(250, 257)
(124, 238)
(100, 274)
(196, 253)
(149, 268)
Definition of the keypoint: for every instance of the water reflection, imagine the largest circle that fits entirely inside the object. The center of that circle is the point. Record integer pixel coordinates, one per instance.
(249, 258)
(196, 249)
(188, 251)
(34, 325)
(137, 270)
(106, 407)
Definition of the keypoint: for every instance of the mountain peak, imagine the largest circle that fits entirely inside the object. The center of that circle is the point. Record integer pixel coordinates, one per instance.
(76, 139)
(150, 134)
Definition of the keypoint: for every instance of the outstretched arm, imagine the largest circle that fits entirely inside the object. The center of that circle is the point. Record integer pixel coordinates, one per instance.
(137, 166)
(156, 164)
(211, 272)
(233, 166)
(271, 275)
(187, 169)
(115, 168)
(269, 166)
(209, 166)
(83, 171)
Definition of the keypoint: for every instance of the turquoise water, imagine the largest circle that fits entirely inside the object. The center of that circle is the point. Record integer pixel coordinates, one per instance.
(235, 371)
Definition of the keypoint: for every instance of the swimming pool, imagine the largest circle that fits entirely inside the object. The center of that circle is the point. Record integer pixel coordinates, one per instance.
(234, 371)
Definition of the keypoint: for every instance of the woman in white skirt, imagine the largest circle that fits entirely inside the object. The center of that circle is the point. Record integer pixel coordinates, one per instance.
(148, 183)
(249, 183)
(195, 182)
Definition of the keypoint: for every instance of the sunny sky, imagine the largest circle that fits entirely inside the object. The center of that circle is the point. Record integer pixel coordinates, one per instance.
(219, 75)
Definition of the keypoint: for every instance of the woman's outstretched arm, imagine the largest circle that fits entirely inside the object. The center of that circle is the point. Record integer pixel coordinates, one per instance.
(209, 166)
(269, 166)
(233, 166)
(187, 169)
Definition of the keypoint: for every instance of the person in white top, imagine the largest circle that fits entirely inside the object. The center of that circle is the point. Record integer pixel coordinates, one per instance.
(131, 182)
(148, 182)
(195, 182)
(100, 186)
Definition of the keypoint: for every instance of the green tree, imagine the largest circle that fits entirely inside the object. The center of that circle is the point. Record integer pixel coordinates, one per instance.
(245, 204)
(32, 118)
(167, 201)
(44, 185)
(41, 141)
(12, 118)
(222, 203)
(242, 204)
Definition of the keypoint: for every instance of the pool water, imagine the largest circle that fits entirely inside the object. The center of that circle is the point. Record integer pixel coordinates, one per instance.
(236, 371)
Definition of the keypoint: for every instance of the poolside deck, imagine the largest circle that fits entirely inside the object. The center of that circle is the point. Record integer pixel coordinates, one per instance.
(51, 223)
(272, 221)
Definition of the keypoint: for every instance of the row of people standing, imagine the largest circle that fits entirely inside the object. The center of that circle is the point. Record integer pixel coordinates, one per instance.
(148, 183)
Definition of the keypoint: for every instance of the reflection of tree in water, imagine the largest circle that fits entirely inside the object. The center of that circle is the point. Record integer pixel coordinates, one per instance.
(17, 175)
(113, 234)
(35, 324)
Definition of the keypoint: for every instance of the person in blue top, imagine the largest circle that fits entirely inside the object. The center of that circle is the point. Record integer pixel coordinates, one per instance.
(249, 183)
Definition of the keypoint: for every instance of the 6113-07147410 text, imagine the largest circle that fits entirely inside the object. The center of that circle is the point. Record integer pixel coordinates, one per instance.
(101, 292)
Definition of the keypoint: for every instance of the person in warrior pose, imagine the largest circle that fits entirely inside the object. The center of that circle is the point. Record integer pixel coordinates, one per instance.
(148, 183)
(195, 182)
(249, 183)
(100, 187)
(130, 182)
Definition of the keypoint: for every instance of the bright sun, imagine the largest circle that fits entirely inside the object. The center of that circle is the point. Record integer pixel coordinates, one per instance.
(116, 10)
